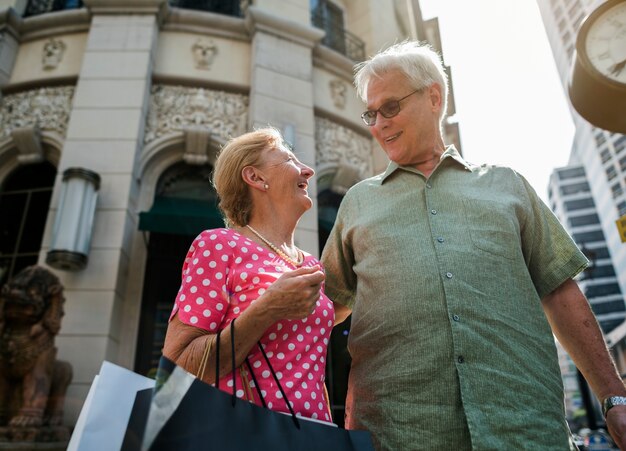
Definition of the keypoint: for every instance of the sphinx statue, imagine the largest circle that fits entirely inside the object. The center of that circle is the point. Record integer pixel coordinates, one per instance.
(33, 382)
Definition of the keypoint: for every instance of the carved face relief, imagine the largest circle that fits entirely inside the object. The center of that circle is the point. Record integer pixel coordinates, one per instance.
(53, 51)
(204, 52)
(338, 91)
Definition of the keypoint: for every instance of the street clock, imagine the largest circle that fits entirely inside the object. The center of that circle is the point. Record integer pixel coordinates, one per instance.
(598, 84)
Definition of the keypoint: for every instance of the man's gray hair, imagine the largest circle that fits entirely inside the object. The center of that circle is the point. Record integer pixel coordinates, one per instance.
(419, 62)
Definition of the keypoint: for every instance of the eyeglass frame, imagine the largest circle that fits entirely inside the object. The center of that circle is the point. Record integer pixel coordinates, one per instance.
(379, 110)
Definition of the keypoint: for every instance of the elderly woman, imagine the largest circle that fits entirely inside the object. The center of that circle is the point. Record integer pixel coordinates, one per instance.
(253, 272)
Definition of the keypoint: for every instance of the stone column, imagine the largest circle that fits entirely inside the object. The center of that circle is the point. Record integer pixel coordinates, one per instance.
(281, 91)
(9, 23)
(105, 135)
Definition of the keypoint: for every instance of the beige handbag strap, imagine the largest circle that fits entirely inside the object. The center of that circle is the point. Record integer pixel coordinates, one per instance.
(205, 357)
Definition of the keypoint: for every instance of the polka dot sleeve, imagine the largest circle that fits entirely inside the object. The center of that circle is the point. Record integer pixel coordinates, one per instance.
(202, 300)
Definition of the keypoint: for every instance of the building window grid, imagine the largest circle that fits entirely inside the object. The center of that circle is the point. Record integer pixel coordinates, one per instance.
(617, 190)
(611, 172)
(619, 144)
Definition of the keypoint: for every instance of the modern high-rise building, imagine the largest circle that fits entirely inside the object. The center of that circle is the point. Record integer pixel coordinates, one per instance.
(588, 197)
(131, 100)
(571, 200)
(598, 158)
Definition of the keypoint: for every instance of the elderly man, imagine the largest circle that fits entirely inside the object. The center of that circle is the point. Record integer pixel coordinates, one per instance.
(456, 276)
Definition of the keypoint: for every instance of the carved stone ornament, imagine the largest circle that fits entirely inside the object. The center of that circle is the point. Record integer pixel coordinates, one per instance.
(204, 52)
(338, 92)
(53, 51)
(178, 108)
(33, 383)
(335, 143)
(48, 109)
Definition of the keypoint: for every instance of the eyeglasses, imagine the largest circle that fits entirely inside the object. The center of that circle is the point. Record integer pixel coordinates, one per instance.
(387, 110)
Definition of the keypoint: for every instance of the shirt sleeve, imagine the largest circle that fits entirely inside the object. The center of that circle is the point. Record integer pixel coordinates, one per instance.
(551, 255)
(202, 299)
(338, 259)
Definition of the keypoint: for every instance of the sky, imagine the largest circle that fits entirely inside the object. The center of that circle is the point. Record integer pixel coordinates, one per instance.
(511, 106)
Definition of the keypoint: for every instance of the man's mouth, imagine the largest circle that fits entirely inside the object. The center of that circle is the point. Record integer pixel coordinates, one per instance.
(393, 137)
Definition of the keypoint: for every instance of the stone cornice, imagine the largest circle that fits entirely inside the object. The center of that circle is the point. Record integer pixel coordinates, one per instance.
(259, 20)
(125, 6)
(10, 22)
(332, 61)
(205, 23)
(44, 25)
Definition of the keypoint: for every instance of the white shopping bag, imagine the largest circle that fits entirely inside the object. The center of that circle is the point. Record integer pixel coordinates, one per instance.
(103, 419)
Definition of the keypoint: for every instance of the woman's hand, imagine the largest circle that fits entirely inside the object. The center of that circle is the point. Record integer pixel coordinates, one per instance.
(293, 295)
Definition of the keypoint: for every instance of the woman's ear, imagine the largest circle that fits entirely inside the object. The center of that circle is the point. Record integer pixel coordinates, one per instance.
(253, 177)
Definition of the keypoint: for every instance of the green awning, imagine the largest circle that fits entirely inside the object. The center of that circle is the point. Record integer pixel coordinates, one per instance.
(180, 216)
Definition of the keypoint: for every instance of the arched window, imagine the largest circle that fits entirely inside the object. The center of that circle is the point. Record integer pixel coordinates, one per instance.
(24, 203)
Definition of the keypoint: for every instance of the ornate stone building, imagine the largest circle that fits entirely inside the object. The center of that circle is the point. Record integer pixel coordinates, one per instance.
(140, 95)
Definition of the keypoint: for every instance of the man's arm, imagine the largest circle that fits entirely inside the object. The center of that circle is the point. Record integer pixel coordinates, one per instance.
(576, 328)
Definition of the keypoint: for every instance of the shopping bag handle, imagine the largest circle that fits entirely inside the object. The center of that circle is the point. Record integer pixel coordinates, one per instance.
(256, 385)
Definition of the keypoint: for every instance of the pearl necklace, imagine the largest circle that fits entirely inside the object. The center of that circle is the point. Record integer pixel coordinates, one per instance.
(276, 249)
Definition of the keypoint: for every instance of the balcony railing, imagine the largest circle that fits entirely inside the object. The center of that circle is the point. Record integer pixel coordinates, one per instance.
(338, 39)
(227, 7)
(36, 7)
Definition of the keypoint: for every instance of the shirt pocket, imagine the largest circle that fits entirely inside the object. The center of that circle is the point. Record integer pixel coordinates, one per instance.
(492, 227)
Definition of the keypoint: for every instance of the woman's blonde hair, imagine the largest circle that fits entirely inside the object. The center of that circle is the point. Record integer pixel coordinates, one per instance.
(235, 201)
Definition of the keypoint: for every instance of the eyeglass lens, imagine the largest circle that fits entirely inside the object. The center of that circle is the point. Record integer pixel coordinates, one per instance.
(387, 110)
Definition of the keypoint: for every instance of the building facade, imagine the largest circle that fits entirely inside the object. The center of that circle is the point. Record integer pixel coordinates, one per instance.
(599, 157)
(143, 93)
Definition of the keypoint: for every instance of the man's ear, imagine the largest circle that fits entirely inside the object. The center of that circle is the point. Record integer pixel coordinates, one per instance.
(253, 177)
(434, 91)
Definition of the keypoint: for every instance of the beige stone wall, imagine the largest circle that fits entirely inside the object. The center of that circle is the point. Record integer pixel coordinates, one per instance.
(175, 59)
(29, 64)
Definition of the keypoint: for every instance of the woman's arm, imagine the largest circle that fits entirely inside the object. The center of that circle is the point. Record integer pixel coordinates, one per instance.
(292, 296)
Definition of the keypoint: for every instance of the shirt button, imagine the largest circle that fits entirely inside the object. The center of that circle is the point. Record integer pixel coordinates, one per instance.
(449, 275)
(460, 359)
(456, 317)
(433, 212)
(429, 186)
(440, 239)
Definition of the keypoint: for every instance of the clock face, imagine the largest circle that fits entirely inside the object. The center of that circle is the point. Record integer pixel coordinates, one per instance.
(605, 43)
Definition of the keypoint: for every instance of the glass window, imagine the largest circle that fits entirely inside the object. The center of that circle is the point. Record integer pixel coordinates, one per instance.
(579, 204)
(582, 187)
(24, 204)
(602, 308)
(620, 144)
(605, 289)
(616, 190)
(584, 220)
(571, 173)
(589, 237)
(605, 155)
(611, 172)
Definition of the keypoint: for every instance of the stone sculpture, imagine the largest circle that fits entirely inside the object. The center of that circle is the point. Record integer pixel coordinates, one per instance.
(33, 382)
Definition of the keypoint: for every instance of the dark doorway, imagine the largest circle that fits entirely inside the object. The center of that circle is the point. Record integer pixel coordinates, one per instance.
(162, 278)
(184, 205)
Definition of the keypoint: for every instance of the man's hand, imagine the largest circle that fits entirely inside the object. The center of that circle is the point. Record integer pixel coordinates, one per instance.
(616, 423)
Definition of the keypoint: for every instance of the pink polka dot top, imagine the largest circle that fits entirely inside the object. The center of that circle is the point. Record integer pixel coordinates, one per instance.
(223, 273)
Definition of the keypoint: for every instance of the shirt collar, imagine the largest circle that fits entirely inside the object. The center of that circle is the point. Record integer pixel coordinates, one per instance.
(450, 152)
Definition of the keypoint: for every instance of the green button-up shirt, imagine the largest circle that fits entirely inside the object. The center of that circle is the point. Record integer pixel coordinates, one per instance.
(450, 346)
